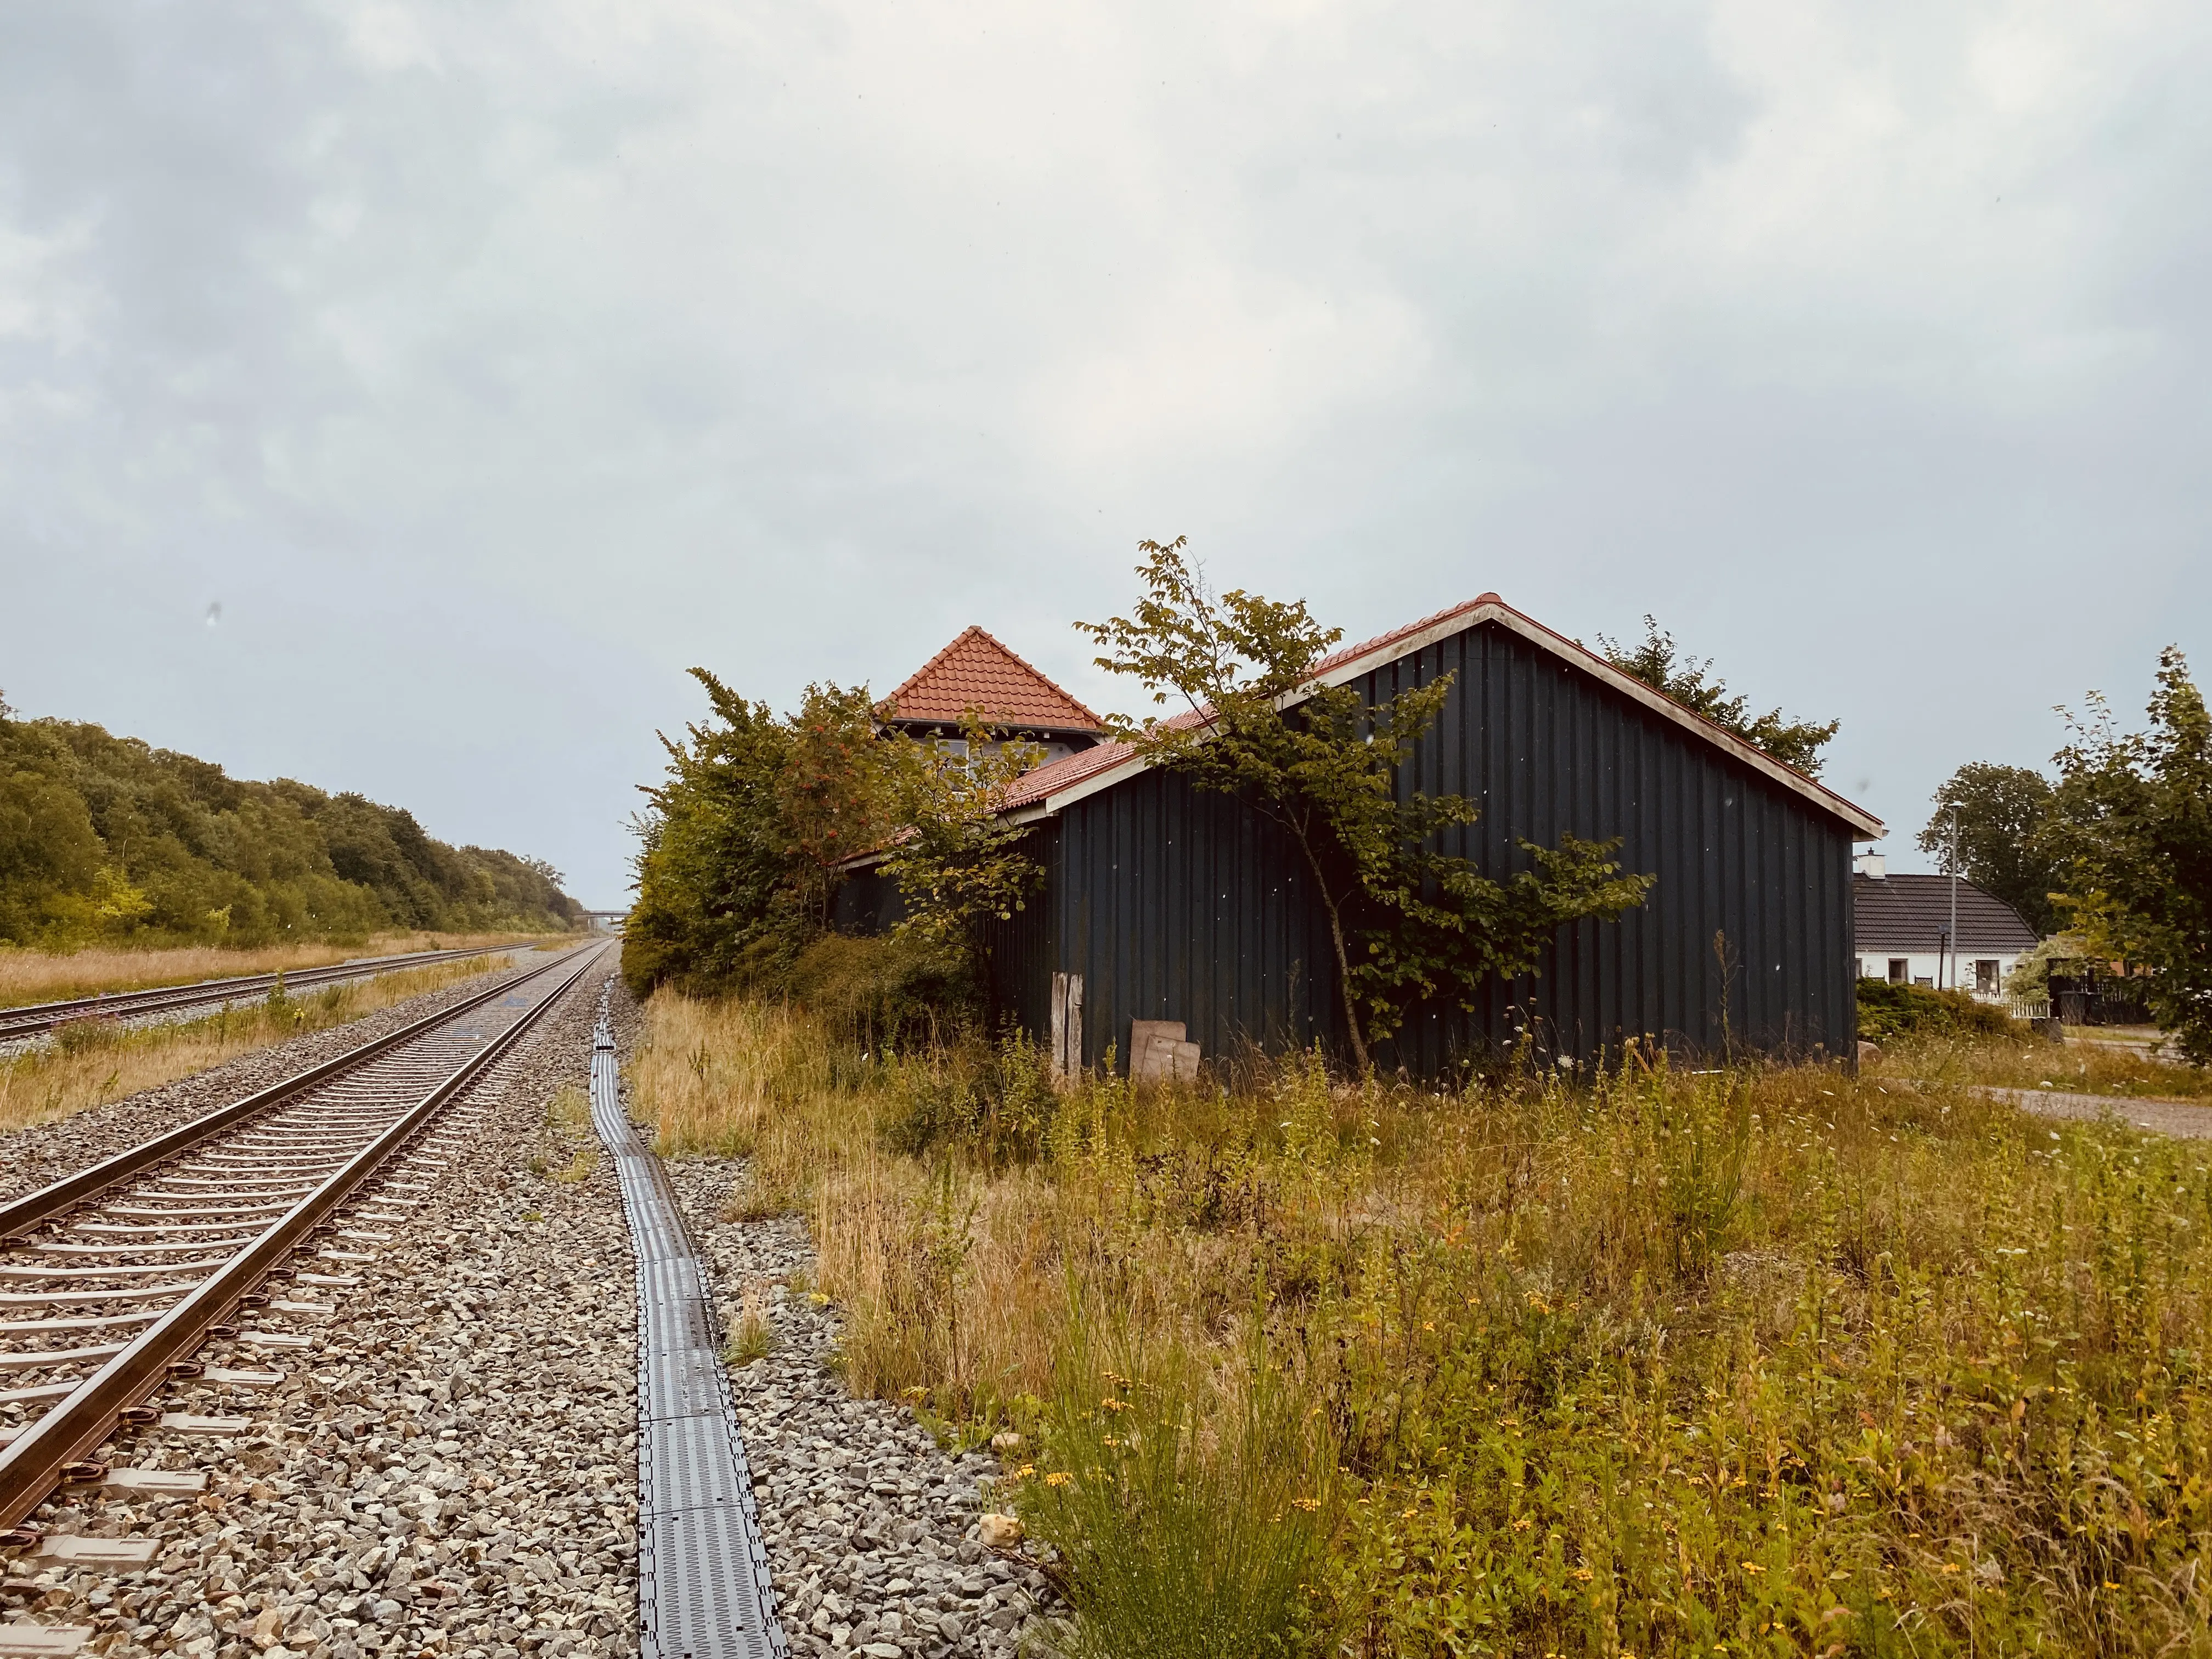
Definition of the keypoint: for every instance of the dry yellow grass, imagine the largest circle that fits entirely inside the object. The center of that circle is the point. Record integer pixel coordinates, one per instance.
(94, 1063)
(2082, 1065)
(1759, 1361)
(956, 1279)
(27, 977)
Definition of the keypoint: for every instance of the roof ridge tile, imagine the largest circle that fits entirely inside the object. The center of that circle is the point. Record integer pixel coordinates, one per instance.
(980, 672)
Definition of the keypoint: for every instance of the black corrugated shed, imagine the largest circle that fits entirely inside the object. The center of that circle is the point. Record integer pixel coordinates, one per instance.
(1171, 904)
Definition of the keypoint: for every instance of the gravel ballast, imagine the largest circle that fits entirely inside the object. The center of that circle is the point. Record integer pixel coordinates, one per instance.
(447, 1466)
(872, 1527)
(187, 1013)
(450, 1467)
(43, 1154)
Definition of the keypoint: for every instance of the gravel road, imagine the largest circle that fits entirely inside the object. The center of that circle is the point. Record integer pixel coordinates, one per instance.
(2167, 1117)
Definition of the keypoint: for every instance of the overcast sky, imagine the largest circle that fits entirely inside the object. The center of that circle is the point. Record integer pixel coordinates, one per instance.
(491, 364)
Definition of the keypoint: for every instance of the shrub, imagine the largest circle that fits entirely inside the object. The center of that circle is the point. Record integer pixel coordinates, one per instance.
(1191, 1522)
(1888, 1011)
(996, 1102)
(882, 992)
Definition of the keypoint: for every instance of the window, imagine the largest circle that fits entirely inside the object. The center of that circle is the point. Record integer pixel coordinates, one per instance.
(1900, 969)
(1985, 976)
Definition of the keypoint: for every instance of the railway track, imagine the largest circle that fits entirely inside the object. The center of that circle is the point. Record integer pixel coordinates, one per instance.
(242, 1225)
(37, 1018)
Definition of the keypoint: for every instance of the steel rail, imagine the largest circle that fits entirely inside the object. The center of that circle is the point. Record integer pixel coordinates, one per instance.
(39, 1458)
(30, 1019)
(26, 1214)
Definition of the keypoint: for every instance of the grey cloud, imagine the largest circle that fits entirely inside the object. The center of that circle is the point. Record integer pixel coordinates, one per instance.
(511, 358)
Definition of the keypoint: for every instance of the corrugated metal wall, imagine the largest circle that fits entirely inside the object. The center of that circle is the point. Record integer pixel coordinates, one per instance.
(1747, 936)
(1175, 905)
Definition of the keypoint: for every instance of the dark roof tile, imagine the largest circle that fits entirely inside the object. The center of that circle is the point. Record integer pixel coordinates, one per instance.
(1908, 913)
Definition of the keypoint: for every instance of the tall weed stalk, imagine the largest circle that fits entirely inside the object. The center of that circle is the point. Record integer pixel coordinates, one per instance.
(1190, 1508)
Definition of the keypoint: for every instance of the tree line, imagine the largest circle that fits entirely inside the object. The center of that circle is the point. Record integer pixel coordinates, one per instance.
(107, 840)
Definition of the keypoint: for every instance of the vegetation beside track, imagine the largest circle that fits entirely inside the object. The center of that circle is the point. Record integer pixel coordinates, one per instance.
(28, 976)
(1762, 1361)
(92, 1062)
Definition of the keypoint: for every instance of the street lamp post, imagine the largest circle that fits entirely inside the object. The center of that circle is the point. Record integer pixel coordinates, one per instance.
(1951, 934)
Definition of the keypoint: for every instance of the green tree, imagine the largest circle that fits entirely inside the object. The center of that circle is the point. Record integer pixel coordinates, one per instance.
(2132, 826)
(104, 837)
(742, 847)
(1407, 921)
(1658, 662)
(2002, 814)
(838, 793)
(958, 863)
(712, 856)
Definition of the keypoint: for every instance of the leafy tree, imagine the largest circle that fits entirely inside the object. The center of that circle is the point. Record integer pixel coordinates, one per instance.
(2002, 811)
(958, 862)
(1407, 921)
(1658, 662)
(2132, 826)
(107, 838)
(839, 793)
(739, 865)
(712, 856)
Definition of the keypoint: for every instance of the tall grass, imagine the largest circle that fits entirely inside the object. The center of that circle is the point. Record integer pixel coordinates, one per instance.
(93, 1062)
(27, 977)
(1767, 1361)
(1190, 1511)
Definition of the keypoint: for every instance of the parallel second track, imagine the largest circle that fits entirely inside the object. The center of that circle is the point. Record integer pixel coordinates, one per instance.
(113, 1276)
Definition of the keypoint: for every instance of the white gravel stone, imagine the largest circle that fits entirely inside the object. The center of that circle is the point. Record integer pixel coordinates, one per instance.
(872, 1527)
(450, 1469)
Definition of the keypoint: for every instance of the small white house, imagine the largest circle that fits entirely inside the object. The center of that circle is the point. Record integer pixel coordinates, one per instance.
(1903, 925)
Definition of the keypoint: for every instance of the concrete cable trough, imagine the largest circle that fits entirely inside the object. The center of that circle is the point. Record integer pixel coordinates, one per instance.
(704, 1588)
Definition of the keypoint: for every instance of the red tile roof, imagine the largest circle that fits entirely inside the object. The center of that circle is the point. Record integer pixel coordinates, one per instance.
(1054, 776)
(977, 673)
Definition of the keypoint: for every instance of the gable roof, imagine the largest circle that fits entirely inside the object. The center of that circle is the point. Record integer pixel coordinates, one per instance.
(1062, 782)
(976, 673)
(1908, 913)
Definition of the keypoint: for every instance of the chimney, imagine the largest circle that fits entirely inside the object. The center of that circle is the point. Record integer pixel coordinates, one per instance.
(1872, 866)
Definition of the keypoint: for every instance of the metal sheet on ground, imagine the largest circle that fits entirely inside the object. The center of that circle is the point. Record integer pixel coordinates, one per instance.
(703, 1585)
